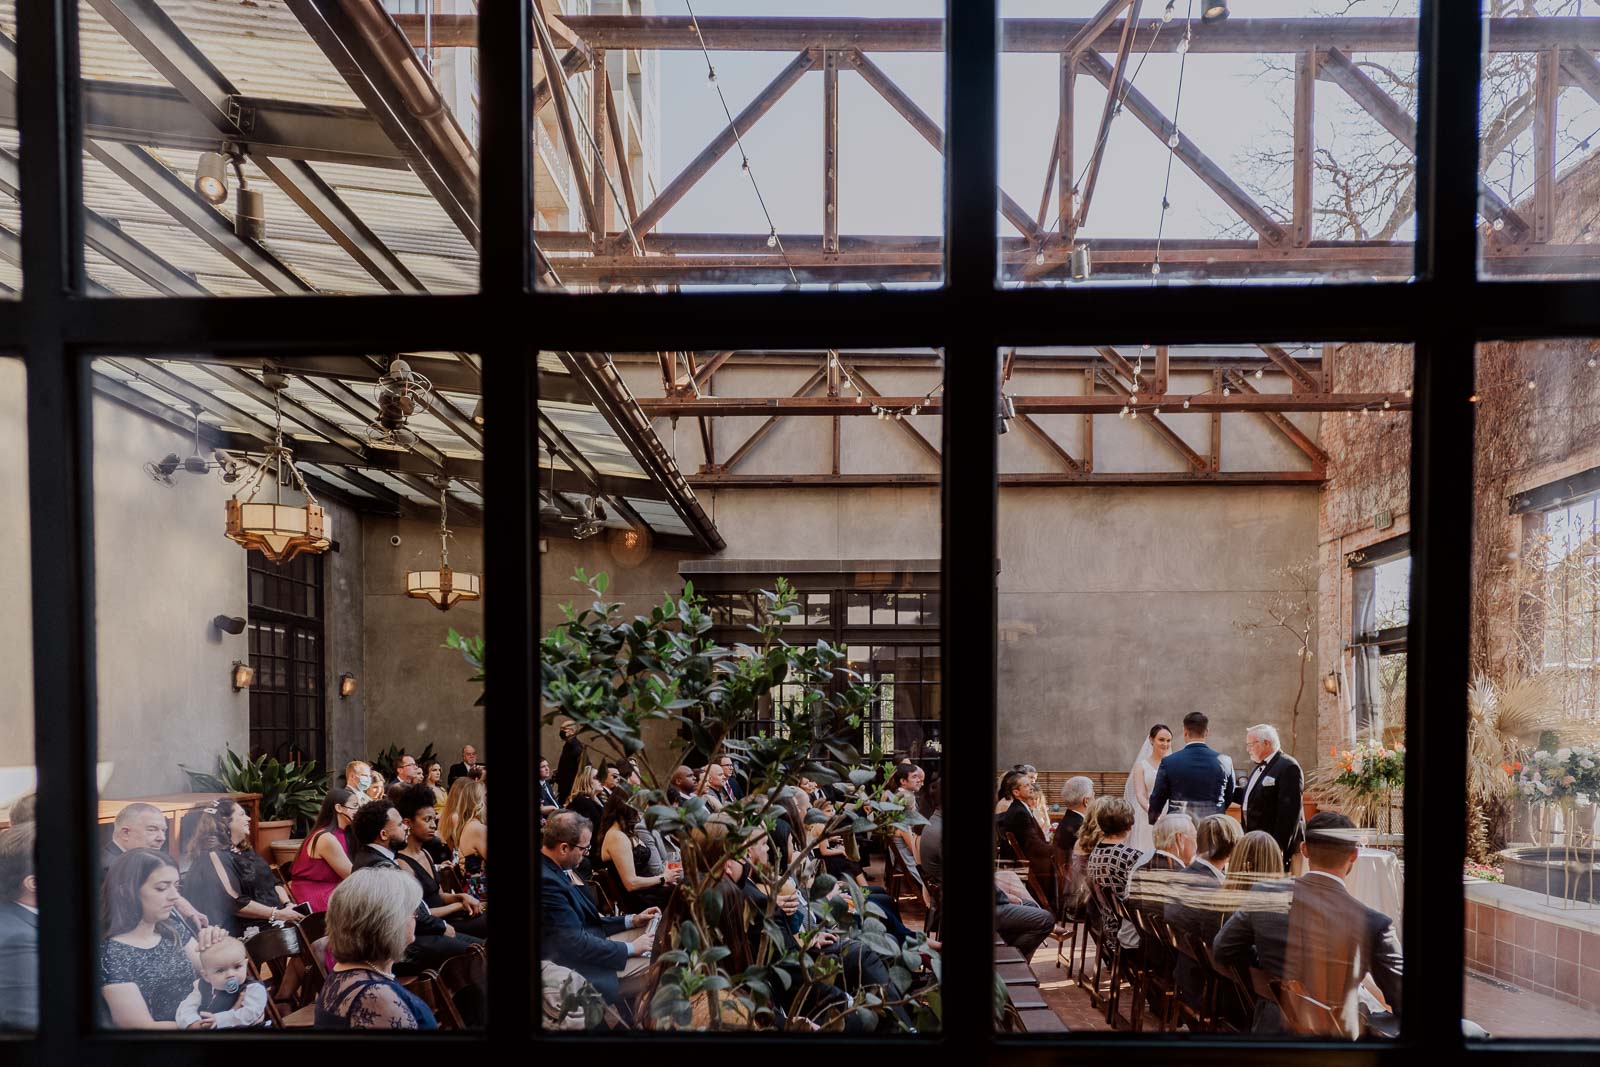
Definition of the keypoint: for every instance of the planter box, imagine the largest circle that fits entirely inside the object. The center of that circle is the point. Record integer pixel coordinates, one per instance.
(1534, 942)
(268, 832)
(1553, 871)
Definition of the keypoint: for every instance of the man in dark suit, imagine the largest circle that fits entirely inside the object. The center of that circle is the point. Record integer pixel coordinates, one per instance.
(1019, 822)
(1196, 907)
(1076, 796)
(378, 833)
(1270, 798)
(1155, 880)
(569, 761)
(732, 789)
(608, 950)
(1196, 774)
(548, 801)
(469, 760)
(141, 825)
(1325, 939)
(19, 929)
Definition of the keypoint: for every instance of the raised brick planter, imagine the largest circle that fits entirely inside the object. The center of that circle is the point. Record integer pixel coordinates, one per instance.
(1515, 936)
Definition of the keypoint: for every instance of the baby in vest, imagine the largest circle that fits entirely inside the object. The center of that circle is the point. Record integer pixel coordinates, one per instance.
(224, 995)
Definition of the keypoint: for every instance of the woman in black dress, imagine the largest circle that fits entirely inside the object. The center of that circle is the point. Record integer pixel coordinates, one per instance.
(633, 854)
(463, 910)
(238, 887)
(148, 962)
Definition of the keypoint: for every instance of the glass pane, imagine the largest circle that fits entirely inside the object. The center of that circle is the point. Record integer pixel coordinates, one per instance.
(271, 645)
(1180, 534)
(1532, 778)
(731, 144)
(10, 177)
(250, 149)
(1539, 114)
(1274, 145)
(19, 889)
(758, 719)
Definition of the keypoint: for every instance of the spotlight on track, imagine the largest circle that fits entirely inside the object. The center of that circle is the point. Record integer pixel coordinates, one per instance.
(1213, 10)
(211, 177)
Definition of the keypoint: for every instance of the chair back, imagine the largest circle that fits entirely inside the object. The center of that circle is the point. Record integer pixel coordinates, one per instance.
(449, 880)
(611, 892)
(428, 989)
(273, 951)
(468, 971)
(1306, 1015)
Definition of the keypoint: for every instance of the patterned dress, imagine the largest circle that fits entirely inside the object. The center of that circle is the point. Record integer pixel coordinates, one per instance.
(163, 973)
(1110, 869)
(367, 1000)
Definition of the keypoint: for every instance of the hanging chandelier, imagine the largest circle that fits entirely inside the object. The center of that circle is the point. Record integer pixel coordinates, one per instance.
(277, 530)
(443, 588)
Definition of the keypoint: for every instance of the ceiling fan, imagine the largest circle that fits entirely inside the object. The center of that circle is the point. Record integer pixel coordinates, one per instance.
(397, 396)
(162, 471)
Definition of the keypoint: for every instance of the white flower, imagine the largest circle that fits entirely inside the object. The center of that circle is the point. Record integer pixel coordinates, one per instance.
(1358, 765)
(1545, 789)
(1563, 754)
(1586, 764)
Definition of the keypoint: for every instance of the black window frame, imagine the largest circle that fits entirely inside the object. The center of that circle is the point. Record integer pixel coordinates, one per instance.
(1444, 312)
(297, 624)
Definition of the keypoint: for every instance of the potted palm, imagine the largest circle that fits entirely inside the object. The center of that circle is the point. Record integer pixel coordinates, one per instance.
(291, 794)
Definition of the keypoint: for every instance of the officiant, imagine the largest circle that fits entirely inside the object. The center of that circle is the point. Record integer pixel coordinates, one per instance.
(1270, 798)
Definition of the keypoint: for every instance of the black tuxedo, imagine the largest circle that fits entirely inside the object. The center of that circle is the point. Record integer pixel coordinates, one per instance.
(1066, 837)
(19, 967)
(1325, 939)
(567, 766)
(457, 770)
(1018, 820)
(547, 794)
(1270, 800)
(1196, 774)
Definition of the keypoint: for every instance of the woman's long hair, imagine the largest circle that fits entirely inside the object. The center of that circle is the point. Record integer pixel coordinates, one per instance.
(618, 812)
(328, 818)
(120, 910)
(1090, 835)
(464, 803)
(1255, 859)
(586, 784)
(211, 832)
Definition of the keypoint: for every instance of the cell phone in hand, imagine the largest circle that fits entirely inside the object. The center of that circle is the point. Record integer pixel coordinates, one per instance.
(303, 908)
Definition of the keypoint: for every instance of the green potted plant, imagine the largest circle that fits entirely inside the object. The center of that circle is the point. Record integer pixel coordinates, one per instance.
(291, 793)
(384, 762)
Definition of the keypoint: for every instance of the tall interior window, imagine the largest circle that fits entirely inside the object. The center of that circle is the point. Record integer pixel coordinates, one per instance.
(287, 718)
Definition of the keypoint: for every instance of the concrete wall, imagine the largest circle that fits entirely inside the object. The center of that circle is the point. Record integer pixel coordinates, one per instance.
(415, 690)
(16, 605)
(163, 570)
(344, 636)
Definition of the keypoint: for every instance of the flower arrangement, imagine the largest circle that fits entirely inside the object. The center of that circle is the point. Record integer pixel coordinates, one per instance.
(1558, 777)
(1370, 767)
(1483, 872)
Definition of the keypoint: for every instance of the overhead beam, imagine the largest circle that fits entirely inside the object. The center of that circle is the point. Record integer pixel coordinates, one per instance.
(830, 151)
(1189, 153)
(749, 443)
(348, 230)
(1285, 427)
(1159, 428)
(573, 62)
(1546, 91)
(724, 141)
(1040, 434)
(1301, 379)
(1070, 404)
(1113, 101)
(172, 195)
(1338, 68)
(1239, 36)
(1007, 481)
(896, 97)
(575, 149)
(1304, 139)
(1579, 68)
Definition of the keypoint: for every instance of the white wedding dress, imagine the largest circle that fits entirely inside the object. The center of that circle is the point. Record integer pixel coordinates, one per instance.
(1141, 779)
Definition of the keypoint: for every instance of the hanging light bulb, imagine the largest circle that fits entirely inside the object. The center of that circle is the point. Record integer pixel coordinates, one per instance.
(1038, 258)
(1166, 16)
(1226, 391)
(1186, 403)
(711, 75)
(1258, 374)
(1386, 405)
(1591, 361)
(744, 164)
(1499, 224)
(1155, 268)
(1133, 413)
(1156, 410)
(1408, 394)
(1123, 413)
(1183, 45)
(1213, 10)
(1532, 384)
(772, 239)
(1172, 139)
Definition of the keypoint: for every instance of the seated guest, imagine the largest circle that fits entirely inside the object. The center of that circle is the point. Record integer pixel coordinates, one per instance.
(1198, 909)
(358, 777)
(585, 798)
(1175, 841)
(1155, 881)
(905, 781)
(1252, 863)
(463, 769)
(549, 803)
(406, 770)
(224, 997)
(464, 910)
(378, 834)
(148, 963)
(1076, 795)
(24, 809)
(1018, 921)
(229, 878)
(19, 929)
(732, 788)
(1320, 936)
(468, 839)
(324, 857)
(465, 797)
(369, 930)
(712, 785)
(1111, 865)
(1019, 822)
(634, 855)
(140, 825)
(431, 771)
(1038, 805)
(681, 785)
(377, 788)
(609, 951)
(607, 778)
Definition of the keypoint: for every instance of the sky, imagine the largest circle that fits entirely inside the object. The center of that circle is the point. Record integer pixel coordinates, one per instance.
(891, 179)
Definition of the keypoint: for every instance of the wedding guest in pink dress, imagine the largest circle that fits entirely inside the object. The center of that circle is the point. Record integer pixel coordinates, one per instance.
(324, 858)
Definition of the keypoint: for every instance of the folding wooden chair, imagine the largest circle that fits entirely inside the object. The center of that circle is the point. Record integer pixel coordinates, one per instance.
(469, 971)
(428, 989)
(279, 952)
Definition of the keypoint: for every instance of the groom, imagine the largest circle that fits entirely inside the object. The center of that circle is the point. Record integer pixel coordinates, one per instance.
(1196, 774)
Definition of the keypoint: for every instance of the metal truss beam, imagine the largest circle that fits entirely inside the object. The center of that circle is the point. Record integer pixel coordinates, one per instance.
(1073, 404)
(1044, 480)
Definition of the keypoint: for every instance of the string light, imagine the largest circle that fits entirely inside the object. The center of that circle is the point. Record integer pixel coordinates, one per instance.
(1226, 391)
(1258, 374)
(1532, 384)
(1590, 362)
(1173, 140)
(1166, 16)
(1186, 403)
(1038, 258)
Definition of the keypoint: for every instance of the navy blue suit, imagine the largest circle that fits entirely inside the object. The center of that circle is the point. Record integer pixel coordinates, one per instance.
(576, 934)
(1197, 774)
(19, 967)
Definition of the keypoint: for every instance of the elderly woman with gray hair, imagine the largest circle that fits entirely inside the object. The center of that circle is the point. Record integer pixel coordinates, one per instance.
(372, 919)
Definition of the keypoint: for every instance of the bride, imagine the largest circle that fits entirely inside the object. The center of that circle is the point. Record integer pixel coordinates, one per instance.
(1141, 779)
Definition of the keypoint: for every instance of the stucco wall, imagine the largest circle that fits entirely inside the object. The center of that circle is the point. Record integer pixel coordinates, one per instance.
(16, 606)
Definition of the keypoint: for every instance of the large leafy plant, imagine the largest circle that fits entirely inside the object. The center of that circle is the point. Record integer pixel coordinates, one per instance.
(288, 790)
(612, 675)
(384, 762)
(471, 649)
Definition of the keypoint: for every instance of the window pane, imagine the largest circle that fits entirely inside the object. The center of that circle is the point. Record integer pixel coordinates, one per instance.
(740, 507)
(242, 150)
(10, 177)
(1185, 531)
(1539, 115)
(1531, 774)
(733, 145)
(261, 646)
(1276, 145)
(19, 965)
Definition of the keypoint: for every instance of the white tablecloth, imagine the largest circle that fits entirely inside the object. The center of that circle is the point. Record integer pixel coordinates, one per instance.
(1375, 881)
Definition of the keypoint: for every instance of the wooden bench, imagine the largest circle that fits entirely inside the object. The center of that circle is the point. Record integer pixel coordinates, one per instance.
(1026, 1010)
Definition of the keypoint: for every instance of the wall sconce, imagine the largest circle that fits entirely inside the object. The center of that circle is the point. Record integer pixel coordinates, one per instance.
(243, 675)
(229, 624)
(347, 685)
(1330, 683)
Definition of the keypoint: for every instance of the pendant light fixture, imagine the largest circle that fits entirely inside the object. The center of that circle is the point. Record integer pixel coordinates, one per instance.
(443, 588)
(277, 530)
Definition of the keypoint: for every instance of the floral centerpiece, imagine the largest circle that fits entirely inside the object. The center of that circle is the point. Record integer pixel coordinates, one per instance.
(1563, 777)
(1372, 771)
